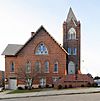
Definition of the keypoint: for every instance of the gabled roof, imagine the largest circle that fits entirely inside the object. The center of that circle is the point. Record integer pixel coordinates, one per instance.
(11, 49)
(42, 28)
(71, 16)
(14, 49)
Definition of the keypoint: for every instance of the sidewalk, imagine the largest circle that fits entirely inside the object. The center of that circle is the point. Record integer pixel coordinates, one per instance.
(4, 95)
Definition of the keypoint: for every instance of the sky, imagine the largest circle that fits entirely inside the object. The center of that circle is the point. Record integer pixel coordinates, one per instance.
(18, 18)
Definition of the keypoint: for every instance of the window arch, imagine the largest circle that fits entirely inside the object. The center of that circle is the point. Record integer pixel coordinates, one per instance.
(46, 68)
(12, 67)
(56, 67)
(28, 67)
(72, 51)
(41, 49)
(37, 66)
(72, 33)
(71, 67)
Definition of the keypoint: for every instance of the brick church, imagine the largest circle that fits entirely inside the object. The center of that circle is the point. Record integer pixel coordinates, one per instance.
(41, 59)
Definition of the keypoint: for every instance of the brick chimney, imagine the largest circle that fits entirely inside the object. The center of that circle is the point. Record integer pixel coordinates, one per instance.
(32, 34)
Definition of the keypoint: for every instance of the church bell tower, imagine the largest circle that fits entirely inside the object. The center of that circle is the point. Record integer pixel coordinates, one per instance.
(72, 42)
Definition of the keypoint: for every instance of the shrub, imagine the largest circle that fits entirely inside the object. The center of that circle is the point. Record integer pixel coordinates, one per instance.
(89, 84)
(47, 86)
(82, 85)
(29, 88)
(52, 85)
(70, 86)
(60, 87)
(40, 86)
(20, 88)
(65, 86)
(95, 84)
(26, 87)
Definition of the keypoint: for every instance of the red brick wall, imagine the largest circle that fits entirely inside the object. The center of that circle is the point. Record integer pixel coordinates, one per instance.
(79, 80)
(55, 53)
(72, 43)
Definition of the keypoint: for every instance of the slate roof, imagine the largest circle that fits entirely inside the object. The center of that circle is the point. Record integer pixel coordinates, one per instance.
(11, 49)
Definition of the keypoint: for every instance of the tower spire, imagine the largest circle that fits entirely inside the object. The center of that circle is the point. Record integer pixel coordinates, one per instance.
(71, 15)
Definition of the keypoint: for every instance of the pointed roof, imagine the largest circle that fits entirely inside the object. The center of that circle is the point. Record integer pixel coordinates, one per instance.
(41, 28)
(14, 49)
(71, 16)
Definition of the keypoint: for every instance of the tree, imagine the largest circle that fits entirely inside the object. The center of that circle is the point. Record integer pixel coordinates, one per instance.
(26, 76)
(90, 75)
(96, 78)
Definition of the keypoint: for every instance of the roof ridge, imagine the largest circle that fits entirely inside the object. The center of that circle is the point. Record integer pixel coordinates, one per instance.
(15, 44)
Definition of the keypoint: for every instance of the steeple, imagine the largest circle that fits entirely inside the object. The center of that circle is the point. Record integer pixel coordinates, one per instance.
(71, 42)
(71, 16)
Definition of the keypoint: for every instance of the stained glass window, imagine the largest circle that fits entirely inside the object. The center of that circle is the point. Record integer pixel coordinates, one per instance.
(41, 49)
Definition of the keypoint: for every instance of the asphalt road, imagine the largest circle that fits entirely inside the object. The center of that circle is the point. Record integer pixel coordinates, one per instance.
(77, 97)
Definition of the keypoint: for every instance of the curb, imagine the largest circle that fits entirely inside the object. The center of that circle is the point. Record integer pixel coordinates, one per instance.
(50, 95)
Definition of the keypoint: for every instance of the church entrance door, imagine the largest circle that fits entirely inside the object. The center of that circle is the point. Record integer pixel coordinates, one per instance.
(71, 68)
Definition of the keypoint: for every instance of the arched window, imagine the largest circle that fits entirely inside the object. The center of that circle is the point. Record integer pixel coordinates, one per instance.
(71, 33)
(41, 49)
(71, 67)
(72, 51)
(56, 67)
(12, 67)
(37, 67)
(28, 67)
(46, 68)
(69, 51)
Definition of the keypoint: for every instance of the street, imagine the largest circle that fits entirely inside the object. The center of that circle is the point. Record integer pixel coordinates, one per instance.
(76, 97)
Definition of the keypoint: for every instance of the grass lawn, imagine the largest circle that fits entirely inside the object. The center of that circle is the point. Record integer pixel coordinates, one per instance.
(40, 89)
(27, 91)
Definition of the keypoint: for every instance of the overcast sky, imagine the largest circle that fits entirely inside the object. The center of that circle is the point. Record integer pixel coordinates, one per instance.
(18, 18)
